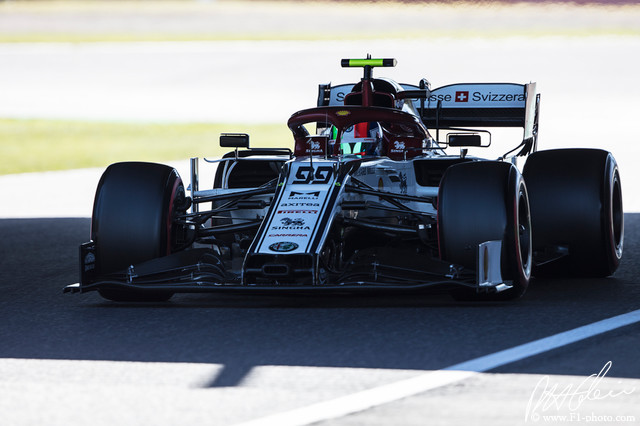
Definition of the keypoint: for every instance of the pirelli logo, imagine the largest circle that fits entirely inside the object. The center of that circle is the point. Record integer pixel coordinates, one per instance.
(297, 211)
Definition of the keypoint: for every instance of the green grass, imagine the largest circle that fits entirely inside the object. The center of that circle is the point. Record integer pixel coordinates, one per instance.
(43, 145)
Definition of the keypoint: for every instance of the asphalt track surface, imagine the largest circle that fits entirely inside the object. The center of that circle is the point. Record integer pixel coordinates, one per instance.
(210, 359)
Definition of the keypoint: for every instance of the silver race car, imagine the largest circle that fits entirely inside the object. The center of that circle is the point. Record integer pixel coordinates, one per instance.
(380, 193)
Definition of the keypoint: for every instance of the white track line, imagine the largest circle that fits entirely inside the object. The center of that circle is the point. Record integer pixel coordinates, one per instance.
(384, 394)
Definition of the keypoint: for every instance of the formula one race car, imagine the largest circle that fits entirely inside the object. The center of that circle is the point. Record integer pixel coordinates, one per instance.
(369, 200)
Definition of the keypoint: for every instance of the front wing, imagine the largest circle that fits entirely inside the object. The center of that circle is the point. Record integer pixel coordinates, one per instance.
(201, 271)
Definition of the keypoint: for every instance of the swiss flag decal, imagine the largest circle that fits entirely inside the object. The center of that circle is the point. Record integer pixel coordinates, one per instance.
(462, 96)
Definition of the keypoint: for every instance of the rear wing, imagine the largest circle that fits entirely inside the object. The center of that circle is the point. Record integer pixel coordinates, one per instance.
(482, 105)
(467, 105)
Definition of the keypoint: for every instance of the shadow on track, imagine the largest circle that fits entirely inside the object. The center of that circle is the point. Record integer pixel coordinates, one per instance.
(39, 257)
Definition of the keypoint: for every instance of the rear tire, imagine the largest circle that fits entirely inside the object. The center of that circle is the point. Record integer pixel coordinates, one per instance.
(576, 202)
(133, 221)
(485, 201)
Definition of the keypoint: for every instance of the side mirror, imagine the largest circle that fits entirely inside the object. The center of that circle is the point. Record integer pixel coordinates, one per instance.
(234, 140)
(464, 139)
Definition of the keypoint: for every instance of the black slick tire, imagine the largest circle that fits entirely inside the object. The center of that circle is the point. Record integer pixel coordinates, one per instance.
(486, 201)
(132, 221)
(576, 203)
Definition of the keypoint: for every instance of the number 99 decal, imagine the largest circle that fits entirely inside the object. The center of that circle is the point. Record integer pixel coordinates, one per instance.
(307, 175)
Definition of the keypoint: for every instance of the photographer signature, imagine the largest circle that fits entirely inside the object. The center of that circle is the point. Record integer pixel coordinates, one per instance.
(546, 396)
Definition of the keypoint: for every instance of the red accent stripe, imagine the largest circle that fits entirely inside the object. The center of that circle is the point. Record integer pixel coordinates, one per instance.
(361, 130)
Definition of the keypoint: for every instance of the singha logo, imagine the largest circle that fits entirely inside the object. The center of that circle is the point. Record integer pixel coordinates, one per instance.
(289, 224)
(397, 145)
(292, 222)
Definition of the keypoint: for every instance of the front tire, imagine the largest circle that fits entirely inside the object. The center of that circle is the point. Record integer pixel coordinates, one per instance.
(133, 221)
(485, 201)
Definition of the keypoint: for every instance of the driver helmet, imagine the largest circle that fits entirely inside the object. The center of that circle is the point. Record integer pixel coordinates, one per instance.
(362, 139)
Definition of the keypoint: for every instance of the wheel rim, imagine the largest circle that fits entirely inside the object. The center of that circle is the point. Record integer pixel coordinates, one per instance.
(176, 192)
(524, 231)
(617, 216)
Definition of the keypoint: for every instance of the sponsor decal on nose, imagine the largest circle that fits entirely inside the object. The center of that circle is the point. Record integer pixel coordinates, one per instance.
(283, 246)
